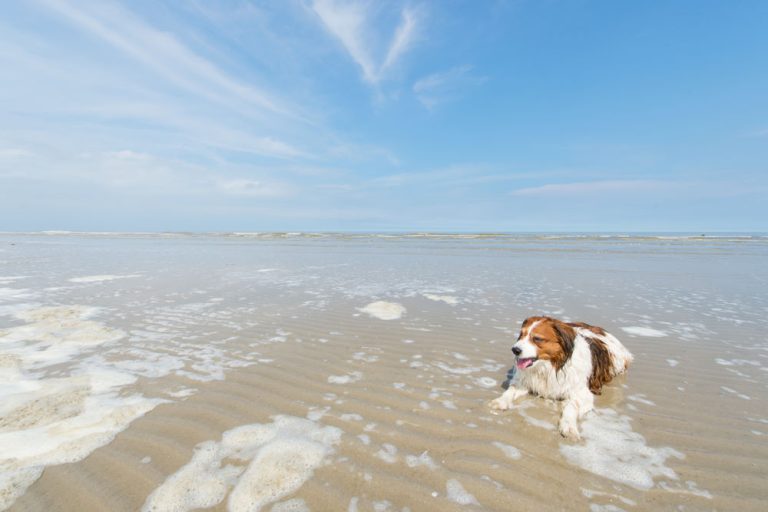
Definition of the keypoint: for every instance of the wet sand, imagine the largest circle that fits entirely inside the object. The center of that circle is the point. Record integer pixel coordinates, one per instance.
(354, 373)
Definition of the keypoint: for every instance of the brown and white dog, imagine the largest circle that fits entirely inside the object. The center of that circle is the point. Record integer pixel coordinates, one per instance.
(564, 361)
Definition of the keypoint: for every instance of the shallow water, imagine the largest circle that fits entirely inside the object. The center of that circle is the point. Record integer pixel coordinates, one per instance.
(353, 372)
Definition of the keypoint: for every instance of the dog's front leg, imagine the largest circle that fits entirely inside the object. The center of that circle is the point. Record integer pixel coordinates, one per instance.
(573, 409)
(505, 401)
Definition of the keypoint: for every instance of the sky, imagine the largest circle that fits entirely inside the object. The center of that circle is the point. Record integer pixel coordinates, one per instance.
(355, 115)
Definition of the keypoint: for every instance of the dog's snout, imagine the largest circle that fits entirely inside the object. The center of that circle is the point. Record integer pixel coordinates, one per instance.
(517, 351)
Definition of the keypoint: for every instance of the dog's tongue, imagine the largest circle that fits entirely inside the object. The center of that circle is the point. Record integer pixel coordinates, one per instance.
(522, 364)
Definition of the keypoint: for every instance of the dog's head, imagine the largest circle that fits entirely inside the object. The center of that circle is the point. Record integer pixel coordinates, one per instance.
(543, 339)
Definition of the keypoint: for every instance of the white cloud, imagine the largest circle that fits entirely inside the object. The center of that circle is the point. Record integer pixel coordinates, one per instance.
(253, 188)
(162, 52)
(444, 86)
(350, 22)
(434, 176)
(127, 154)
(405, 35)
(591, 187)
(14, 153)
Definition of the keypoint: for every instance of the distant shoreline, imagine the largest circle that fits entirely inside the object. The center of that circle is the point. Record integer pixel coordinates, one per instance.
(695, 236)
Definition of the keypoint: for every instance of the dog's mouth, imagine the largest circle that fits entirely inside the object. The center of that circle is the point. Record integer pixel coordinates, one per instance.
(525, 362)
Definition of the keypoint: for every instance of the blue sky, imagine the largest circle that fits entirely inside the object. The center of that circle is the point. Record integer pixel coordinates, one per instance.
(368, 115)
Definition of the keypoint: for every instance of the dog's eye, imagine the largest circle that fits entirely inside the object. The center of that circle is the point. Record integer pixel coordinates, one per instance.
(536, 339)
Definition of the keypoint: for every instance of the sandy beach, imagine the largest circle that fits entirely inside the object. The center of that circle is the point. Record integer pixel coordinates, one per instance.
(292, 372)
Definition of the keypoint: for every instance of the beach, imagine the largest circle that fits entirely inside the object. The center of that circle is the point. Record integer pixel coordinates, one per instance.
(293, 371)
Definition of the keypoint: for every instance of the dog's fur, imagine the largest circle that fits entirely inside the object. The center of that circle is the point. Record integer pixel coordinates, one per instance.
(564, 361)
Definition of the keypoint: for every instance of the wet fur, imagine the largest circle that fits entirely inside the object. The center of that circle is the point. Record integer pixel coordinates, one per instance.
(573, 363)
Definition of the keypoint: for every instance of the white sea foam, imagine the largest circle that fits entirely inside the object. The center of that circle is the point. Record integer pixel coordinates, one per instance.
(316, 413)
(485, 382)
(384, 310)
(466, 370)
(15, 294)
(644, 331)
(596, 507)
(101, 278)
(387, 453)
(611, 449)
(508, 450)
(690, 488)
(294, 505)
(421, 460)
(61, 332)
(591, 493)
(734, 392)
(456, 370)
(57, 421)
(448, 299)
(736, 362)
(458, 494)
(345, 379)
(640, 398)
(280, 456)
(362, 356)
(49, 421)
(11, 279)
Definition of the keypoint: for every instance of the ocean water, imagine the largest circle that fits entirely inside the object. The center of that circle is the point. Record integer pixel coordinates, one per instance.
(291, 371)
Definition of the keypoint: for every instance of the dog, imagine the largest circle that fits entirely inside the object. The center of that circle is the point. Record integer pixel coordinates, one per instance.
(568, 361)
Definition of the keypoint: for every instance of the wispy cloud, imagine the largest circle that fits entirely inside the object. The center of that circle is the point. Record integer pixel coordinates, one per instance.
(253, 188)
(351, 22)
(759, 133)
(460, 175)
(445, 86)
(161, 52)
(405, 36)
(591, 187)
(13, 153)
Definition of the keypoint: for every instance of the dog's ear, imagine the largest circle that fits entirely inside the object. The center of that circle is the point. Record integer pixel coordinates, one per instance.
(525, 323)
(566, 336)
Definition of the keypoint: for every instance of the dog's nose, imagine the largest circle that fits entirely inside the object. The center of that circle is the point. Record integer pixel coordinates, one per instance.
(517, 351)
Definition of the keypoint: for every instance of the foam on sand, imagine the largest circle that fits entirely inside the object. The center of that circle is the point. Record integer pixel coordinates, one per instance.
(422, 460)
(280, 456)
(387, 453)
(49, 421)
(458, 494)
(644, 331)
(485, 382)
(611, 449)
(101, 278)
(384, 310)
(14, 294)
(345, 379)
(58, 421)
(294, 505)
(61, 332)
(448, 299)
(508, 450)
